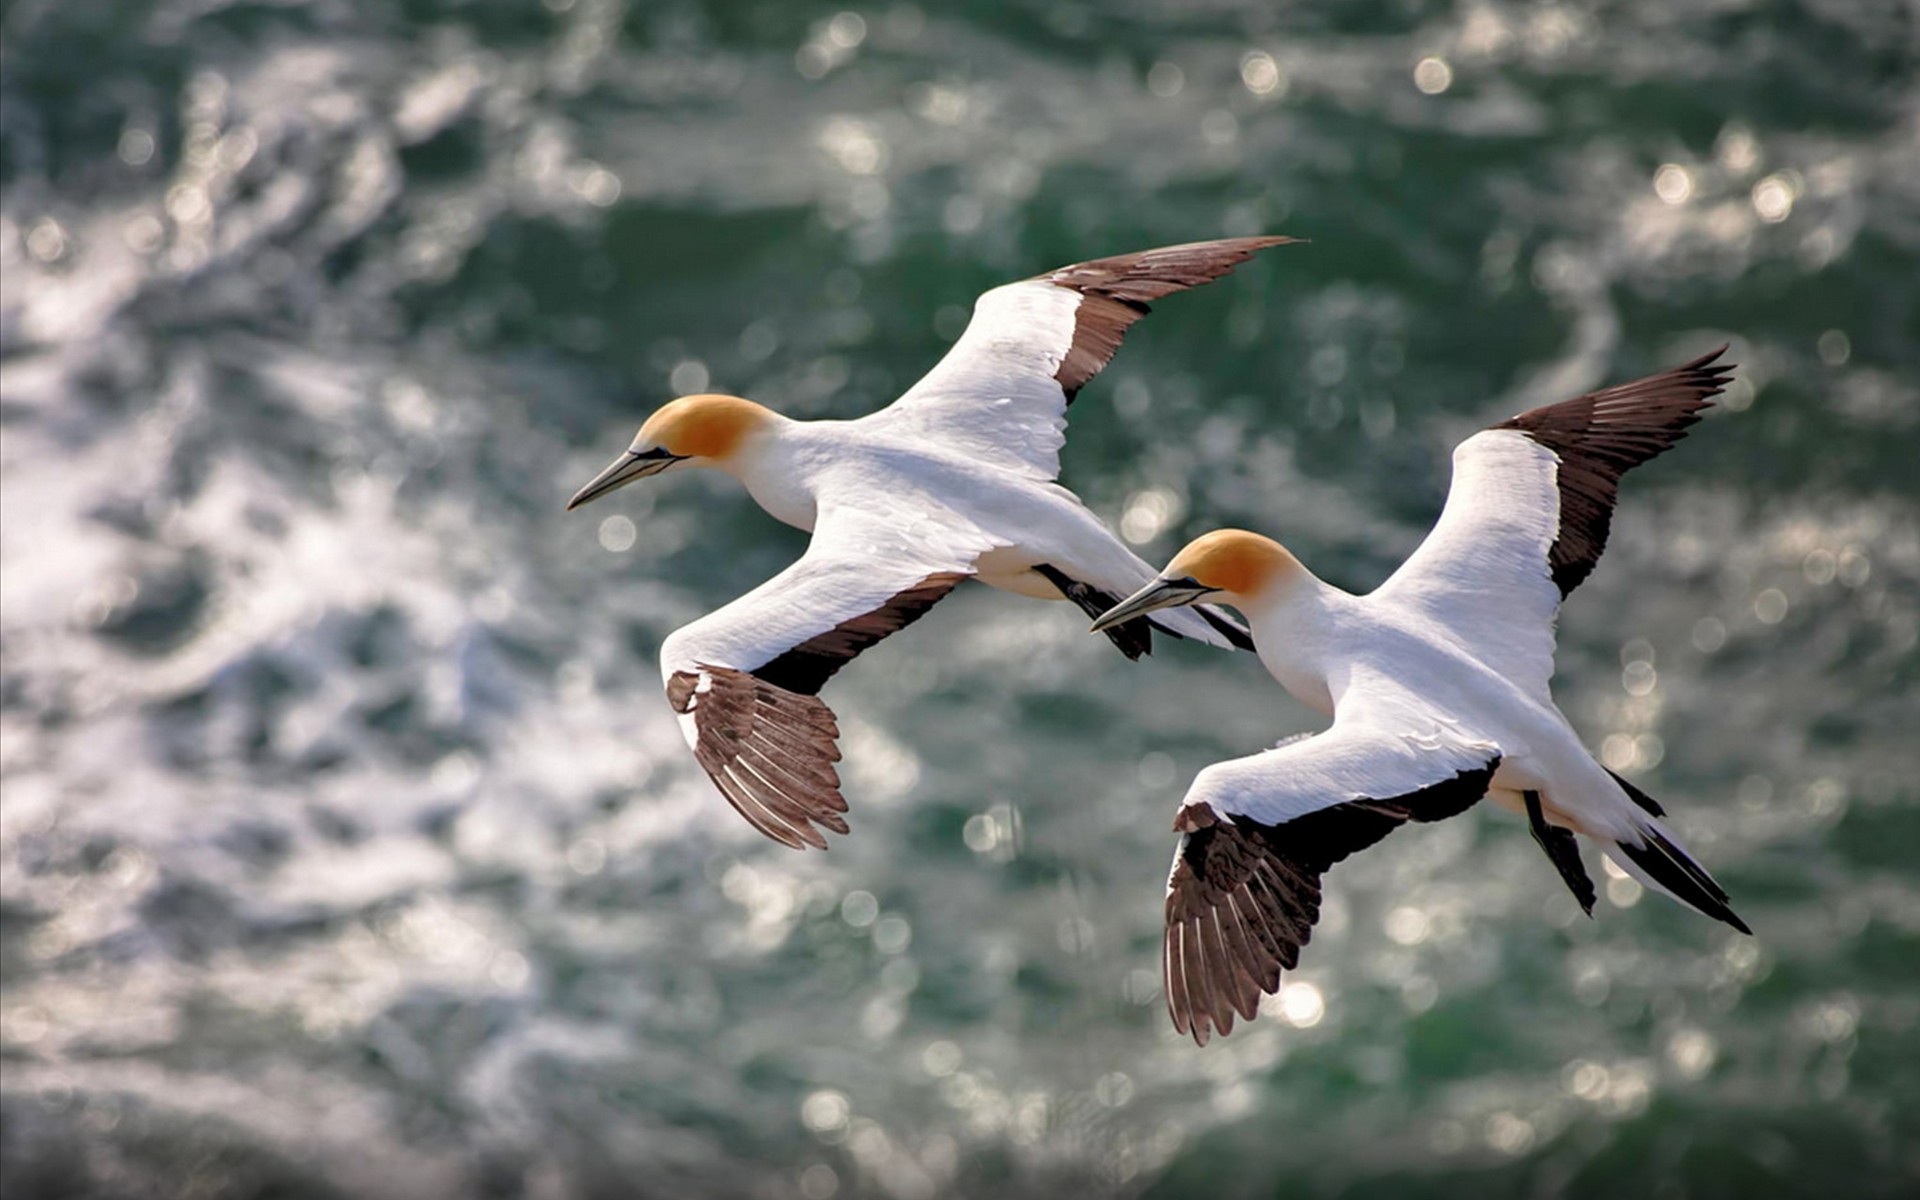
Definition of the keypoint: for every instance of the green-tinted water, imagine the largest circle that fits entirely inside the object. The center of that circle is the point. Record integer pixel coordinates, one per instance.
(348, 847)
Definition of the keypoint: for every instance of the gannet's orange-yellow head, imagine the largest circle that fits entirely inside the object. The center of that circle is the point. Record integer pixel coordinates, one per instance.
(704, 426)
(1234, 563)
(1227, 566)
(701, 430)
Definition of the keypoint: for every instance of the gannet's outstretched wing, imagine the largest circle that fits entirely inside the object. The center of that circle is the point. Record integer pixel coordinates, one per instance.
(1258, 832)
(744, 678)
(1529, 509)
(1002, 390)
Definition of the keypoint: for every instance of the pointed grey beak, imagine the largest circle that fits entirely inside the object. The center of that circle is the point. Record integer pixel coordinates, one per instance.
(1161, 593)
(625, 469)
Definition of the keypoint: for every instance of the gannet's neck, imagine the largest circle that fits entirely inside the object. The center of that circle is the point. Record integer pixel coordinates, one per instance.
(778, 461)
(1296, 622)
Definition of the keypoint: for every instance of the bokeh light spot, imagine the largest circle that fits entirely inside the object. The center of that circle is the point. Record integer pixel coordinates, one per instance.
(1773, 199)
(1770, 606)
(1673, 184)
(1219, 127)
(688, 377)
(1432, 75)
(618, 534)
(136, 147)
(825, 1111)
(1301, 1005)
(1147, 513)
(1261, 75)
(1156, 769)
(847, 30)
(892, 934)
(47, 242)
(819, 1182)
(1407, 925)
(859, 909)
(1709, 634)
(941, 1059)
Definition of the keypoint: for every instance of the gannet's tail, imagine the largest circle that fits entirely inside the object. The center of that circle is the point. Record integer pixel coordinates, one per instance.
(1657, 862)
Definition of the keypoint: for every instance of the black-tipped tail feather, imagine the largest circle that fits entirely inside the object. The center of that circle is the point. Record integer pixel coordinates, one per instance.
(1647, 803)
(1670, 867)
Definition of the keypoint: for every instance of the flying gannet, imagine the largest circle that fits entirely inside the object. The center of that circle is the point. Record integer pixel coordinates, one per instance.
(1437, 683)
(953, 480)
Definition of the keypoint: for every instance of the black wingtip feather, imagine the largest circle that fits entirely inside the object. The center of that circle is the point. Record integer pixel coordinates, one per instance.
(1115, 293)
(1599, 437)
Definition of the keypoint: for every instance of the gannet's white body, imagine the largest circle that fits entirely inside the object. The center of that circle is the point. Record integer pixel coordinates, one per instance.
(954, 480)
(1438, 686)
(911, 479)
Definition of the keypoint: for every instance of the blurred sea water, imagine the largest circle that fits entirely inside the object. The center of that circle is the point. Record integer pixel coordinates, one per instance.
(348, 848)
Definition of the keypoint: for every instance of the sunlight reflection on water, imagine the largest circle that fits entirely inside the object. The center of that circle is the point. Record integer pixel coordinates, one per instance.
(348, 848)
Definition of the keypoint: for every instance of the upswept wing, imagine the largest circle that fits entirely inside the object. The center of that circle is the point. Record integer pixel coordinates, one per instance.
(744, 678)
(1257, 834)
(1529, 509)
(1001, 393)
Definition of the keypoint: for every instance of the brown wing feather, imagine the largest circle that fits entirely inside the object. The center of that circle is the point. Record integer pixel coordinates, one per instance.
(768, 742)
(1243, 897)
(1600, 437)
(769, 751)
(1116, 290)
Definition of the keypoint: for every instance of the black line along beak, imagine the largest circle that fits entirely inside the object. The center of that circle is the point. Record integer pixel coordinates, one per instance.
(1161, 593)
(628, 467)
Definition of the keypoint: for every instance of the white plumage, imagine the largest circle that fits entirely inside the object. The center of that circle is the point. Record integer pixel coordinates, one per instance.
(1438, 685)
(955, 480)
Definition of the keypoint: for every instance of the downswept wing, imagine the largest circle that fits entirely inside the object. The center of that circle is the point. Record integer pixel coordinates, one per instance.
(1001, 392)
(1529, 510)
(1257, 833)
(744, 678)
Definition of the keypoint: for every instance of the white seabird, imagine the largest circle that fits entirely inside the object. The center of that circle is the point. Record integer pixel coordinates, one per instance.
(1437, 683)
(953, 480)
